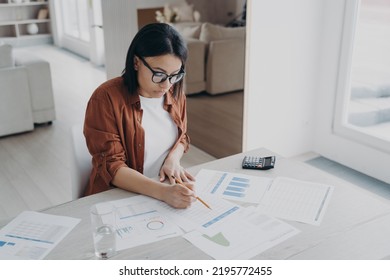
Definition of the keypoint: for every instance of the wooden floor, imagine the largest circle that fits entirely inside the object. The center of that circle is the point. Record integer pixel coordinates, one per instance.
(215, 122)
(35, 166)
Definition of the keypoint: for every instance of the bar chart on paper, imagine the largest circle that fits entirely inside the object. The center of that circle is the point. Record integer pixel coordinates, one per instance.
(237, 187)
(232, 186)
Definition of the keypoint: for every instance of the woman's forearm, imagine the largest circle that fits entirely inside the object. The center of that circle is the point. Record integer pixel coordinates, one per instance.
(176, 154)
(131, 180)
(176, 195)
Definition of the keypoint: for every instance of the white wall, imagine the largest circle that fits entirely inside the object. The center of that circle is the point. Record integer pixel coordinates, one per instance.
(283, 48)
(120, 25)
(294, 57)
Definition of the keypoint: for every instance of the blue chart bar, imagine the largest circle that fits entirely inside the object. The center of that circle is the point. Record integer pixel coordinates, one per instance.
(238, 179)
(137, 214)
(218, 184)
(220, 217)
(30, 239)
(237, 187)
(236, 194)
(234, 189)
(239, 184)
(122, 232)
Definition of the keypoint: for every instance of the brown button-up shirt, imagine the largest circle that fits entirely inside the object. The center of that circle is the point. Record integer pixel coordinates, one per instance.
(113, 131)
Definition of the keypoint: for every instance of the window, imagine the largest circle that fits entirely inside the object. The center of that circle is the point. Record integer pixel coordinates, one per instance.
(363, 108)
(75, 19)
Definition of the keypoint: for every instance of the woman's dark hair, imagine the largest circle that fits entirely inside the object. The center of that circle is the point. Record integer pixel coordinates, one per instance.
(154, 39)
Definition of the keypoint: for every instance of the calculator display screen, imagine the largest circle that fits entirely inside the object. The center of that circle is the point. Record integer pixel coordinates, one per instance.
(267, 161)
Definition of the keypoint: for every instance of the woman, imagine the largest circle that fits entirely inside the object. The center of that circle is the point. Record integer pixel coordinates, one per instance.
(136, 125)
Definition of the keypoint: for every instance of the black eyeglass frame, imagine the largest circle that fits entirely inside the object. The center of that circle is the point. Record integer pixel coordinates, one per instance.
(169, 77)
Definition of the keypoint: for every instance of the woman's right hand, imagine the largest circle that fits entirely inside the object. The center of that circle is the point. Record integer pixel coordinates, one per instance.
(179, 196)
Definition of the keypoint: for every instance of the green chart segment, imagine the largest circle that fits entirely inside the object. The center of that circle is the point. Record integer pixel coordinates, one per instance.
(219, 239)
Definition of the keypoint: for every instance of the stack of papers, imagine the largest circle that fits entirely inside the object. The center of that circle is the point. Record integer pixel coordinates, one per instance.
(227, 231)
(284, 198)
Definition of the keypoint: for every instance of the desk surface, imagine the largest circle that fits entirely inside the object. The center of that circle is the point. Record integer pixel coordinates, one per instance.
(356, 224)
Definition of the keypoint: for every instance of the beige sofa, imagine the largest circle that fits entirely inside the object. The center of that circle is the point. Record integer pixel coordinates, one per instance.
(216, 59)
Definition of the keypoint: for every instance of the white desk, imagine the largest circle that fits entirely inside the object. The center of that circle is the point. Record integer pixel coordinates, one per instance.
(356, 224)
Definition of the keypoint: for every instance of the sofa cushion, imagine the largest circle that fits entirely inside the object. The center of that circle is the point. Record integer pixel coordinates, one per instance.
(6, 57)
(211, 32)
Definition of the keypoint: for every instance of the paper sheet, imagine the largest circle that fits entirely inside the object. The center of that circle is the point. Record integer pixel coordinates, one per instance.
(248, 235)
(296, 200)
(232, 186)
(200, 217)
(32, 235)
(139, 222)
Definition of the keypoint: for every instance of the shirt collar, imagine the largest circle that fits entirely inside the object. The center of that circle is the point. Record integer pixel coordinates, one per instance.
(168, 100)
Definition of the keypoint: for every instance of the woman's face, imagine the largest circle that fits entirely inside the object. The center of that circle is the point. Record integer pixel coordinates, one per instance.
(168, 64)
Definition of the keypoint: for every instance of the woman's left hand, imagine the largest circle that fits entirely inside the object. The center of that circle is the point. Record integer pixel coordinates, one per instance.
(172, 169)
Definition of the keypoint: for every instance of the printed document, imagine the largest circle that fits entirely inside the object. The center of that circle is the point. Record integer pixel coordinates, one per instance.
(296, 200)
(32, 235)
(232, 186)
(281, 197)
(199, 216)
(139, 222)
(248, 235)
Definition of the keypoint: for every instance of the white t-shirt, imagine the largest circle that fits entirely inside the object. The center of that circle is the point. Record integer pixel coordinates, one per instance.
(160, 134)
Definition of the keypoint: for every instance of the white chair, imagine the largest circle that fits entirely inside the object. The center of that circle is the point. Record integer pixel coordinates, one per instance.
(81, 162)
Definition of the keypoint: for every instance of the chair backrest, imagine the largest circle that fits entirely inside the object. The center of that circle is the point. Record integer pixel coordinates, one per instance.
(81, 163)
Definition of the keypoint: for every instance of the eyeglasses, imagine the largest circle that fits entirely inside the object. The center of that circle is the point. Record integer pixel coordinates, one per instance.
(160, 77)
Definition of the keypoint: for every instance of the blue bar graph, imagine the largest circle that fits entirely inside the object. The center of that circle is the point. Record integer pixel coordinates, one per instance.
(125, 231)
(237, 187)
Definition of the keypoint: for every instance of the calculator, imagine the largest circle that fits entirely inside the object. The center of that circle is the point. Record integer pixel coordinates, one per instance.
(261, 163)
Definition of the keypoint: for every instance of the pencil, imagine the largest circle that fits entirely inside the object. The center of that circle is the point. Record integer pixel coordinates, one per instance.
(178, 181)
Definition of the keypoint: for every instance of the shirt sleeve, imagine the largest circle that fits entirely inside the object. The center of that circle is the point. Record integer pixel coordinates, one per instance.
(102, 137)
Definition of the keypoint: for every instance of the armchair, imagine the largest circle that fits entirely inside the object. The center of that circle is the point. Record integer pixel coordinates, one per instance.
(40, 85)
(26, 94)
